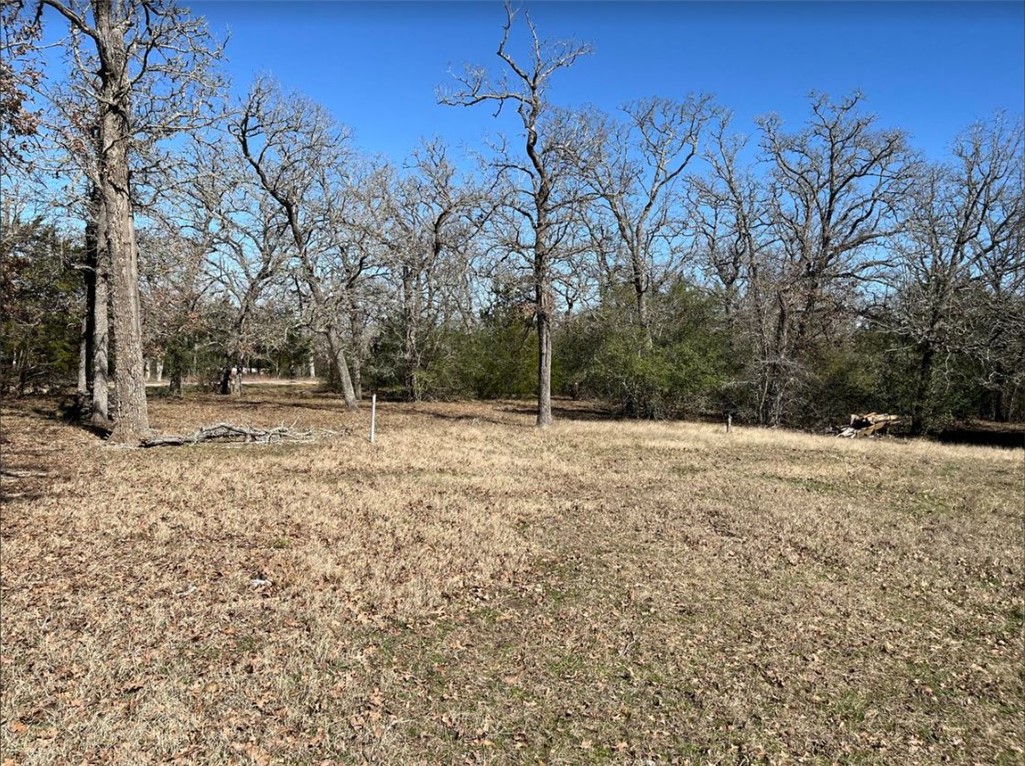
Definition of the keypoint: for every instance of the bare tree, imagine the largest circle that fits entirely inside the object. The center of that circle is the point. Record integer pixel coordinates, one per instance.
(145, 64)
(836, 188)
(354, 265)
(429, 220)
(174, 290)
(735, 238)
(542, 183)
(959, 253)
(68, 148)
(793, 250)
(298, 153)
(636, 168)
(247, 243)
(833, 202)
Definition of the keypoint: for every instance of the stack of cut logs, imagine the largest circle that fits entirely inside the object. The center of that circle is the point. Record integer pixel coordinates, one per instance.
(866, 425)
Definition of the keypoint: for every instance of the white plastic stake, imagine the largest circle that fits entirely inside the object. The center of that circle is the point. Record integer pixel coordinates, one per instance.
(373, 416)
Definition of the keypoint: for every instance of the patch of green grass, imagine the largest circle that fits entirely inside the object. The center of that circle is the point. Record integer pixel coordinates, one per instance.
(685, 470)
(850, 707)
(920, 503)
(1015, 621)
(810, 485)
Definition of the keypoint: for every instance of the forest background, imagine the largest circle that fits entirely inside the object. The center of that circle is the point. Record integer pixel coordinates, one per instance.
(165, 222)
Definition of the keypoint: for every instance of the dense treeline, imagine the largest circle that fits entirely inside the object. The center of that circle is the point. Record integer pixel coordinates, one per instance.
(653, 258)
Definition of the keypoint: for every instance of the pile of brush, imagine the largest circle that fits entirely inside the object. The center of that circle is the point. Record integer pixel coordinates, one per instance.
(867, 425)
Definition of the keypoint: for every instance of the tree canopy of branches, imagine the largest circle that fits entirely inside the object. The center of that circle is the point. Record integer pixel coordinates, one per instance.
(299, 154)
(542, 188)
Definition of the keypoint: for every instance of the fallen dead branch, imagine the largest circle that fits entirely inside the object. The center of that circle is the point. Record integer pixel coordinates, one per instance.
(229, 432)
(15, 473)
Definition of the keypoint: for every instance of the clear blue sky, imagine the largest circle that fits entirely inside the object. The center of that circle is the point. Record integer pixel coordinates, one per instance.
(929, 67)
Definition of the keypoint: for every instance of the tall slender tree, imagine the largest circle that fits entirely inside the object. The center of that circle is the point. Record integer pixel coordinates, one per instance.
(542, 182)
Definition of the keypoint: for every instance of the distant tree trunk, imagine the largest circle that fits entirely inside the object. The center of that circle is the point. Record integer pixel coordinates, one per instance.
(923, 385)
(409, 371)
(175, 383)
(315, 139)
(339, 366)
(545, 305)
(357, 376)
(23, 374)
(359, 350)
(409, 355)
(545, 174)
(640, 283)
(83, 364)
(313, 367)
(160, 369)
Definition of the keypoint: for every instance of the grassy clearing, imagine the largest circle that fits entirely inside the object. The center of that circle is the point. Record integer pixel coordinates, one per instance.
(471, 590)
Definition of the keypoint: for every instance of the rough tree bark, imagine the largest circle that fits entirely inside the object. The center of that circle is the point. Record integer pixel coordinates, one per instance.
(132, 418)
(97, 315)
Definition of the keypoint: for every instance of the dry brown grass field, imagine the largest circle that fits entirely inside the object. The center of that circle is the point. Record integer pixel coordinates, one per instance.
(469, 590)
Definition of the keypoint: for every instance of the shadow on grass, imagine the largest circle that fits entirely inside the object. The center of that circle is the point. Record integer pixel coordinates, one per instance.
(454, 418)
(64, 410)
(337, 406)
(987, 435)
(570, 411)
(589, 411)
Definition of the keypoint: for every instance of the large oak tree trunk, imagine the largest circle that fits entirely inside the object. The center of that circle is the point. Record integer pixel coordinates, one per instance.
(97, 315)
(640, 284)
(358, 349)
(409, 355)
(132, 419)
(919, 407)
